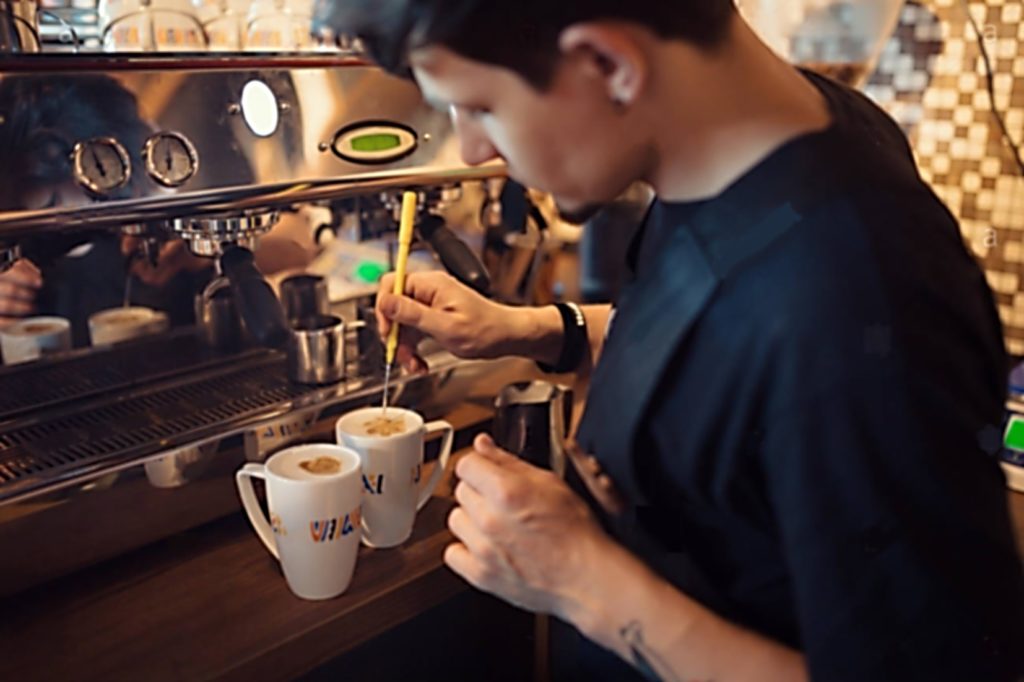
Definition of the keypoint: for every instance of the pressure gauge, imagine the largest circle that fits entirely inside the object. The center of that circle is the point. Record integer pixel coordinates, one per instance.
(101, 165)
(170, 158)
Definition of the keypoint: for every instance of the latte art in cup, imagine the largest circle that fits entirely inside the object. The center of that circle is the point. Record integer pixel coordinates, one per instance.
(298, 465)
(381, 425)
(321, 465)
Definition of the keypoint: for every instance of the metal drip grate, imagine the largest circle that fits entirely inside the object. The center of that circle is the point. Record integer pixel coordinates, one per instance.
(28, 388)
(135, 423)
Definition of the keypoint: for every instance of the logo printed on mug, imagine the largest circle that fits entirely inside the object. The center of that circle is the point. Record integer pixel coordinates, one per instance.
(277, 525)
(308, 486)
(392, 446)
(328, 530)
(374, 484)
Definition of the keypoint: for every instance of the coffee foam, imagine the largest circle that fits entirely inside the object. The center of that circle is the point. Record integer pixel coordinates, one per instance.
(120, 316)
(371, 423)
(305, 463)
(382, 426)
(37, 327)
(40, 328)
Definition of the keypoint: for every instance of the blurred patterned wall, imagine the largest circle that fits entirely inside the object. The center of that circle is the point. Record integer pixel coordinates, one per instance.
(932, 80)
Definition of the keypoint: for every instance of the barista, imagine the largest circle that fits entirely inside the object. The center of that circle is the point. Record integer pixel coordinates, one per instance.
(792, 426)
(40, 121)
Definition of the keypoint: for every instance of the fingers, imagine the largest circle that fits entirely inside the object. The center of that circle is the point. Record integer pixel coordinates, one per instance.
(408, 311)
(24, 273)
(474, 503)
(495, 475)
(432, 304)
(484, 444)
(461, 560)
(422, 286)
(463, 528)
(474, 556)
(15, 291)
(15, 307)
(19, 287)
(426, 286)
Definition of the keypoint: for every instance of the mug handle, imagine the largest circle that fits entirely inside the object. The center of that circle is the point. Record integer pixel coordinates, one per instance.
(243, 477)
(442, 460)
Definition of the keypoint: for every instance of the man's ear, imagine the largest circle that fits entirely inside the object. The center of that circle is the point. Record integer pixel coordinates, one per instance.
(613, 53)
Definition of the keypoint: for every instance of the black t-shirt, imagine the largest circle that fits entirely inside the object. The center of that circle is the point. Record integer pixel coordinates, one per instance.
(801, 395)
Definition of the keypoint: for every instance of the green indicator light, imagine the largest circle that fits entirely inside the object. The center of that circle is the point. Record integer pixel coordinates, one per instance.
(378, 142)
(1014, 438)
(370, 272)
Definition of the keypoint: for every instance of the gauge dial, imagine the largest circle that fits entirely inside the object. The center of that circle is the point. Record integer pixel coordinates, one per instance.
(171, 159)
(101, 165)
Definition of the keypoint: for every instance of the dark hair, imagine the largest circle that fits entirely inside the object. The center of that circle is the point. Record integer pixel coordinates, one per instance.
(41, 119)
(519, 34)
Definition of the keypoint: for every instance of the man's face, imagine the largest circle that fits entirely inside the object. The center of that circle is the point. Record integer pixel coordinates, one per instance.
(569, 140)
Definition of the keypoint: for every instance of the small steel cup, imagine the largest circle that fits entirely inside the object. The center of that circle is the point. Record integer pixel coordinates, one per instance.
(218, 318)
(530, 422)
(316, 350)
(305, 296)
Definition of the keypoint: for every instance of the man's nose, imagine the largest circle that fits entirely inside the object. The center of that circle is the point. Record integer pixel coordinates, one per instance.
(474, 144)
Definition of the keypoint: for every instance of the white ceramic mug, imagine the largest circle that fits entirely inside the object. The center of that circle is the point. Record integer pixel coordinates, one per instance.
(314, 526)
(34, 337)
(115, 325)
(392, 468)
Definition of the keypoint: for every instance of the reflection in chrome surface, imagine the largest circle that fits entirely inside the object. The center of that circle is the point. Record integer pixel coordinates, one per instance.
(239, 167)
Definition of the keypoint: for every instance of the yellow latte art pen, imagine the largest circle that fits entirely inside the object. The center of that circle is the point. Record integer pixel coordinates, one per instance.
(405, 226)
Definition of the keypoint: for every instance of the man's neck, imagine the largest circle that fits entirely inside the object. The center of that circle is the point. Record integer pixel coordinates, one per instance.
(740, 103)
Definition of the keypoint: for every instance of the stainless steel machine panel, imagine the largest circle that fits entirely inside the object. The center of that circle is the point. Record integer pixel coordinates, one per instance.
(234, 135)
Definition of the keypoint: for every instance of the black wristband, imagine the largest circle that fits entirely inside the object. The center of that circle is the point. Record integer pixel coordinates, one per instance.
(574, 340)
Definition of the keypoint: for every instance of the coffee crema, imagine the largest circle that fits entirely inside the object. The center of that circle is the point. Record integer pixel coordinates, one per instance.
(383, 426)
(126, 317)
(39, 328)
(321, 465)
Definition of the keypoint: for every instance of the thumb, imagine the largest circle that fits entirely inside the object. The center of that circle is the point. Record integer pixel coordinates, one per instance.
(486, 446)
(410, 312)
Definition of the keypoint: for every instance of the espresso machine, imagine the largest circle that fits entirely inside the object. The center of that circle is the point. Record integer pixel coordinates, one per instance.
(106, 449)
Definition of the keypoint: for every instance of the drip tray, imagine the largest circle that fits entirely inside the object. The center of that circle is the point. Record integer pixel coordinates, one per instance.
(69, 441)
(28, 388)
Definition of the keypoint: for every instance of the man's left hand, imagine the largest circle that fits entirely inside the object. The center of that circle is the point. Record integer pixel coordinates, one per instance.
(523, 534)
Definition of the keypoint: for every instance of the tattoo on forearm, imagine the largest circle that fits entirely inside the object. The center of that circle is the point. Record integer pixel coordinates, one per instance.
(645, 659)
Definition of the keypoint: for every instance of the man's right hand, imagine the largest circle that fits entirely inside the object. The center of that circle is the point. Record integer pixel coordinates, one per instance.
(465, 323)
(19, 287)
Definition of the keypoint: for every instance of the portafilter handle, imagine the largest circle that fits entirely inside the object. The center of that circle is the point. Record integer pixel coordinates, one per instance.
(455, 254)
(257, 304)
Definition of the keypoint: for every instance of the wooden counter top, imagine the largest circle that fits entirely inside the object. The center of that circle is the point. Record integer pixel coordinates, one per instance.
(212, 603)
